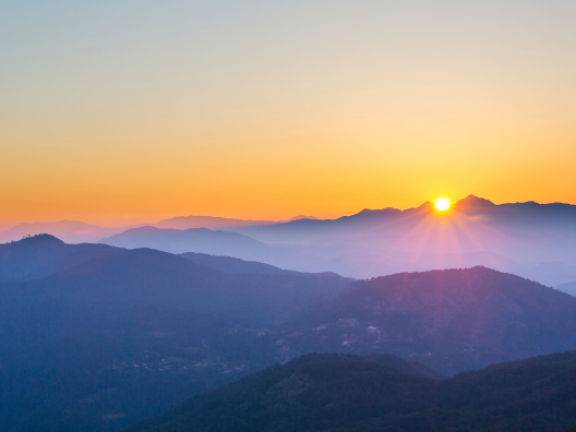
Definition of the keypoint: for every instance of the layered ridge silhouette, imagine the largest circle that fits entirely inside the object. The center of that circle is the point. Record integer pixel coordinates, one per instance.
(111, 336)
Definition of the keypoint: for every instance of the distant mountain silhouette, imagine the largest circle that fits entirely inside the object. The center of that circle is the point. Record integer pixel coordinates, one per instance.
(303, 217)
(514, 238)
(199, 240)
(479, 208)
(351, 394)
(187, 222)
(451, 320)
(68, 231)
(569, 288)
(533, 240)
(41, 255)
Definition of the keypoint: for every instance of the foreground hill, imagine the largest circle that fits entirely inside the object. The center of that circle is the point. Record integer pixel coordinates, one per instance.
(71, 369)
(332, 393)
(451, 320)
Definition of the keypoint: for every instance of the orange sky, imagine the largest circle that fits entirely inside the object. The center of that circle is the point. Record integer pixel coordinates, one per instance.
(116, 115)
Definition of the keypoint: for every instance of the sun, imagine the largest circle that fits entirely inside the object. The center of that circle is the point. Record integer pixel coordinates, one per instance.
(442, 204)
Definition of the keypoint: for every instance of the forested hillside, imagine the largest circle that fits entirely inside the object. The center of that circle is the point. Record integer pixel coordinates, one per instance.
(341, 393)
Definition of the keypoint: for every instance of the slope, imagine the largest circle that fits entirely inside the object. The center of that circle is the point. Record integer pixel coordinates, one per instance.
(235, 265)
(124, 336)
(190, 240)
(451, 320)
(42, 255)
(331, 393)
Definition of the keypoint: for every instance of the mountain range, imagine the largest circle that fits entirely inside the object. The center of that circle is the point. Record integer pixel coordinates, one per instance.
(529, 239)
(522, 238)
(103, 337)
(95, 338)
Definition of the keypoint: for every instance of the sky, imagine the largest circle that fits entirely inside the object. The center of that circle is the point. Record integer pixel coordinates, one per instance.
(125, 111)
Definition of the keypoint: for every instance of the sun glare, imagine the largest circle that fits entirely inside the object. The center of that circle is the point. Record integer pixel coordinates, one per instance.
(442, 204)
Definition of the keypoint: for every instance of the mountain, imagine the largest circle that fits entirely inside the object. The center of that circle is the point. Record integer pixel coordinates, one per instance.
(69, 231)
(80, 369)
(42, 255)
(126, 335)
(569, 288)
(335, 393)
(200, 240)
(122, 335)
(300, 217)
(451, 320)
(551, 273)
(187, 222)
(146, 276)
(213, 222)
(231, 265)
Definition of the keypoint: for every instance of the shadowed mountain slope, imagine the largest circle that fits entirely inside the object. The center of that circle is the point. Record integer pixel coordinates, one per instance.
(331, 393)
(235, 265)
(145, 276)
(451, 320)
(125, 336)
(231, 265)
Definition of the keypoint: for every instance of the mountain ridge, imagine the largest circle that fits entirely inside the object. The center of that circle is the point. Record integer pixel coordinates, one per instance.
(450, 320)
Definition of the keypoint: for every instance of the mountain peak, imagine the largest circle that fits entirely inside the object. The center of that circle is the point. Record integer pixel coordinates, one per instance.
(40, 239)
(300, 217)
(474, 201)
(426, 206)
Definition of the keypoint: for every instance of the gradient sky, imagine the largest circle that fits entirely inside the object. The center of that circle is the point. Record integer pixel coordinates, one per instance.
(135, 110)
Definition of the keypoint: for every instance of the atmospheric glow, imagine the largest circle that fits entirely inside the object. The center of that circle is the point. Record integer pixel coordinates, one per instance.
(123, 112)
(442, 204)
